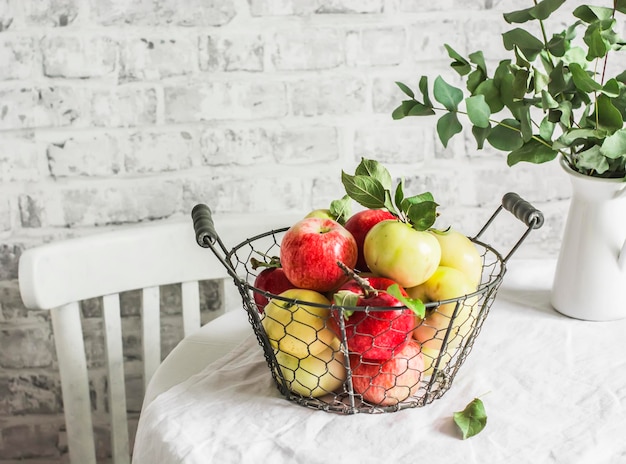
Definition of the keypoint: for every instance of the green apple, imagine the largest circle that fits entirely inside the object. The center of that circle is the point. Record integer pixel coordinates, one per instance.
(299, 329)
(315, 375)
(395, 250)
(459, 252)
(320, 213)
(445, 284)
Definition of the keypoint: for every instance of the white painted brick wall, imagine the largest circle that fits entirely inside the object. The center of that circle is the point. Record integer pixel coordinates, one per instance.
(115, 112)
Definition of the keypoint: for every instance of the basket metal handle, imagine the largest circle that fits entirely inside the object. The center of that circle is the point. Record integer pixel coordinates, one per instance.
(522, 210)
(207, 236)
(203, 225)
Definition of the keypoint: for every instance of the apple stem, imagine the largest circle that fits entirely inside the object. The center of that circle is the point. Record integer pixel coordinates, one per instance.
(274, 262)
(364, 284)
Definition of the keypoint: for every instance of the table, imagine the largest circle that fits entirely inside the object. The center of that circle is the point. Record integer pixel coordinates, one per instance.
(554, 390)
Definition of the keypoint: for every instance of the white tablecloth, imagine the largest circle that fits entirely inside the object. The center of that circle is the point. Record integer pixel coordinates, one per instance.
(554, 390)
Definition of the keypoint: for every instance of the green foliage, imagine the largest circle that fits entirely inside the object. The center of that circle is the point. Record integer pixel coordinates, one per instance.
(553, 93)
(371, 187)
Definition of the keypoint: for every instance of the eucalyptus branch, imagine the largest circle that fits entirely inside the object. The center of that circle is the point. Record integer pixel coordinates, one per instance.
(586, 109)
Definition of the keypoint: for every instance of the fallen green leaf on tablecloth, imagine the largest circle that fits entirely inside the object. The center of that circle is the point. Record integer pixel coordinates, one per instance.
(472, 420)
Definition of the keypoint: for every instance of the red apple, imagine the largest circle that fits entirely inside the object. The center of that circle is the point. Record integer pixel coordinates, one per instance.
(272, 280)
(375, 334)
(388, 382)
(360, 224)
(309, 252)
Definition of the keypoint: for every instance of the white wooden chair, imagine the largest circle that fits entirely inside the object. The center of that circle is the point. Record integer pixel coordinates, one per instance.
(57, 276)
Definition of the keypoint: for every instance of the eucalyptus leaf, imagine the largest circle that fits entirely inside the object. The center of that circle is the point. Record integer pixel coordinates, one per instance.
(478, 111)
(590, 13)
(446, 94)
(532, 151)
(546, 129)
(423, 86)
(480, 135)
(520, 84)
(582, 80)
(611, 88)
(548, 101)
(447, 127)
(579, 136)
(407, 105)
(557, 45)
(525, 123)
(607, 116)
(541, 10)
(490, 90)
(529, 45)
(420, 110)
(593, 160)
(596, 41)
(545, 8)
(474, 79)
(614, 146)
(540, 81)
(506, 135)
(459, 64)
(398, 113)
(471, 420)
(479, 60)
(405, 89)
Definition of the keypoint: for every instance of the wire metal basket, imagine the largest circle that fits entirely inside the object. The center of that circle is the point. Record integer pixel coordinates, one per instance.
(327, 373)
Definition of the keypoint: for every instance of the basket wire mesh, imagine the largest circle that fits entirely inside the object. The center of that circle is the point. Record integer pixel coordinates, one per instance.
(320, 368)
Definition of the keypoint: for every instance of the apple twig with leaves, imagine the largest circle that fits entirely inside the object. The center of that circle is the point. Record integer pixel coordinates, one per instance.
(556, 92)
(371, 186)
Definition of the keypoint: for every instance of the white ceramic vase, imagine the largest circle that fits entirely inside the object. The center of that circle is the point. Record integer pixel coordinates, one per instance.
(590, 278)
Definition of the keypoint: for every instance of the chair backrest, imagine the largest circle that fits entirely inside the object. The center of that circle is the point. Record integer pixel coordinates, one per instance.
(58, 276)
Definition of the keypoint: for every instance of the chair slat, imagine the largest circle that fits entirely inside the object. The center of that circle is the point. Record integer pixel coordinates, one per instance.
(191, 307)
(115, 368)
(150, 332)
(70, 348)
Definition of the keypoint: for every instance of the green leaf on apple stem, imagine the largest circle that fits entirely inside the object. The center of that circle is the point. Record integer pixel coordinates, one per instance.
(371, 186)
(421, 210)
(414, 304)
(341, 209)
(399, 196)
(367, 191)
(472, 420)
(273, 262)
(348, 299)
(372, 168)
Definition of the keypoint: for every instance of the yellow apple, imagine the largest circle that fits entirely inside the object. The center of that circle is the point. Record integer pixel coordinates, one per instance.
(298, 329)
(445, 284)
(395, 250)
(459, 252)
(315, 375)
